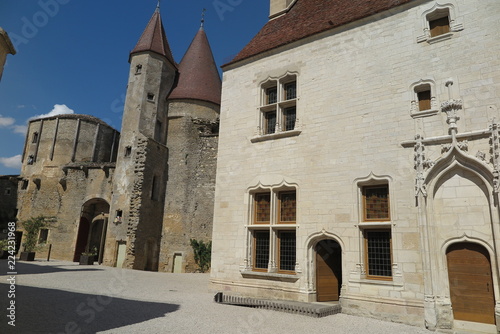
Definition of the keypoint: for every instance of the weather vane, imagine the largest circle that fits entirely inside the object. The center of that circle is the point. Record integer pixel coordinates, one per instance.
(203, 17)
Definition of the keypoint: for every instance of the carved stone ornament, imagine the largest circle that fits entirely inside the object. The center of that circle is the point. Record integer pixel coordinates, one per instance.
(463, 145)
(451, 107)
(481, 155)
(495, 154)
(420, 165)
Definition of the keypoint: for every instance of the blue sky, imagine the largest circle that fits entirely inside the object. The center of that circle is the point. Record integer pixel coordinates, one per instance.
(72, 55)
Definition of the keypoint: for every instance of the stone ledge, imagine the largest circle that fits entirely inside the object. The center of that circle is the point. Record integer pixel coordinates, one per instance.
(315, 310)
(270, 276)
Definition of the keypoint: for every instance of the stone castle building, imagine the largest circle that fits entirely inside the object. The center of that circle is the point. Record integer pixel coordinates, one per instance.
(359, 161)
(136, 196)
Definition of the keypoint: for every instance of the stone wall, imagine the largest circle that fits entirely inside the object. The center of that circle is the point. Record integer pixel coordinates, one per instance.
(354, 111)
(68, 161)
(192, 142)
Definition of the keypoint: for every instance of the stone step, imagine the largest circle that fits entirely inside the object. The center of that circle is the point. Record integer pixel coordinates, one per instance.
(315, 310)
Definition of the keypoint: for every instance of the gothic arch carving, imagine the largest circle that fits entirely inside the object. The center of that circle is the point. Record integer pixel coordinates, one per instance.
(456, 158)
(271, 181)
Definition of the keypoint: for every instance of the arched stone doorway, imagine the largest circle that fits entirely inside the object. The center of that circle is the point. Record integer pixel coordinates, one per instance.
(471, 283)
(92, 228)
(328, 270)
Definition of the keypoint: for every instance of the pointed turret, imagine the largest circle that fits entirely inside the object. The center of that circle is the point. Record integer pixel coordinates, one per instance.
(198, 75)
(154, 39)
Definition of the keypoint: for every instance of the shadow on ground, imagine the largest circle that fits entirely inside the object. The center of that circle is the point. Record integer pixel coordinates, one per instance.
(40, 310)
(22, 267)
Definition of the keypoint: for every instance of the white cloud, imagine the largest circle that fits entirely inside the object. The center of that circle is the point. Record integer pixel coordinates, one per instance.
(59, 109)
(6, 121)
(20, 129)
(12, 162)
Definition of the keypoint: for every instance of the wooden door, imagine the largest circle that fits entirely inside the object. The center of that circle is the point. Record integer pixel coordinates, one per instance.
(471, 284)
(81, 239)
(328, 270)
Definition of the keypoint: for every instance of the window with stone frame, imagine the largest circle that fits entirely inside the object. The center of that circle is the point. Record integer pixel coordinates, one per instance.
(423, 100)
(439, 23)
(278, 111)
(273, 231)
(378, 253)
(376, 203)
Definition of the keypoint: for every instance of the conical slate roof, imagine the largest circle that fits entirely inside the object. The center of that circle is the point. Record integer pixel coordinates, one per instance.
(154, 39)
(198, 75)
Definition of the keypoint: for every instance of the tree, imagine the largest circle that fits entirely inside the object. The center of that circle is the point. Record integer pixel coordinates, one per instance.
(32, 227)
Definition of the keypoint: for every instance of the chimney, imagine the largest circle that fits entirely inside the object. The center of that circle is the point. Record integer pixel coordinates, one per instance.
(277, 7)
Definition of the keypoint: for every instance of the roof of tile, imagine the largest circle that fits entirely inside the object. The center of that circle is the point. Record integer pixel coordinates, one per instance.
(154, 39)
(198, 74)
(309, 17)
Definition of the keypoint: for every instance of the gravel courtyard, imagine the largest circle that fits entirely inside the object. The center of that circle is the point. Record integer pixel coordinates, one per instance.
(64, 297)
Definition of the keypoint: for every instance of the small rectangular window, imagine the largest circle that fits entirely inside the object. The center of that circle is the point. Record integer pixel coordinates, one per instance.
(43, 236)
(24, 184)
(271, 95)
(439, 26)
(290, 90)
(288, 209)
(424, 100)
(287, 253)
(34, 139)
(261, 250)
(376, 203)
(151, 97)
(128, 151)
(289, 117)
(270, 122)
(262, 204)
(7, 192)
(378, 254)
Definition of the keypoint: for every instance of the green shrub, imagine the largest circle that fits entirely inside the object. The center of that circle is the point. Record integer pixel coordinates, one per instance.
(202, 254)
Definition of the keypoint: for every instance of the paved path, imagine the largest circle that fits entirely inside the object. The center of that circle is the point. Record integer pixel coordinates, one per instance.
(64, 297)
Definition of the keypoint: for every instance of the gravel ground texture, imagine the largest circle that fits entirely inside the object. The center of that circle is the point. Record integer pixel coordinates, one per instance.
(64, 297)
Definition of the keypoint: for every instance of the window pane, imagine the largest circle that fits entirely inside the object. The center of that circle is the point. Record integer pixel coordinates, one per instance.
(262, 208)
(271, 95)
(290, 90)
(287, 250)
(289, 115)
(378, 244)
(376, 202)
(288, 207)
(261, 239)
(270, 122)
(424, 100)
(439, 26)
